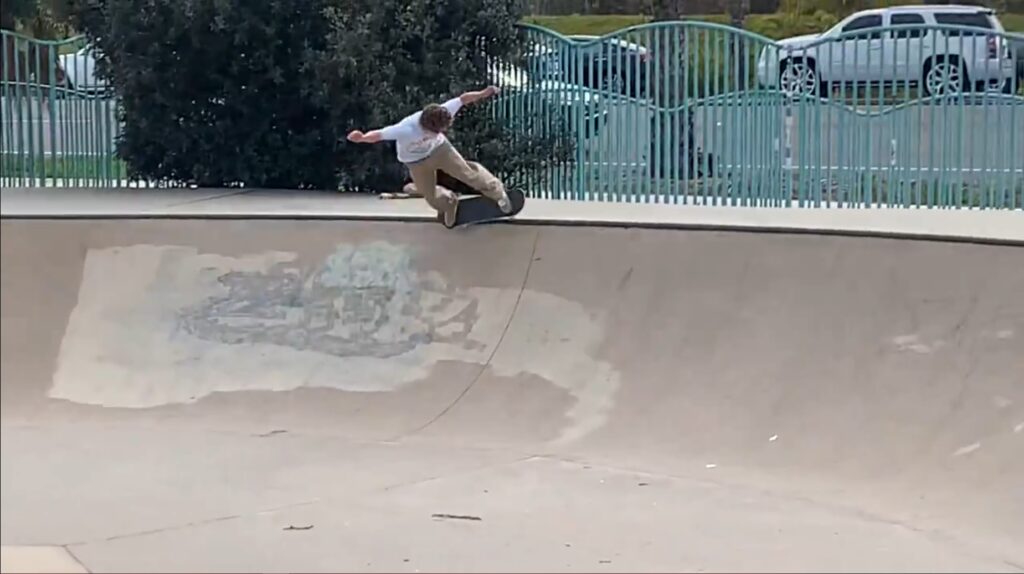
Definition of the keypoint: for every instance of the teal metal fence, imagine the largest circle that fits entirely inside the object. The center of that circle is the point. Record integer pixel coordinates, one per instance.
(689, 112)
(672, 112)
(59, 121)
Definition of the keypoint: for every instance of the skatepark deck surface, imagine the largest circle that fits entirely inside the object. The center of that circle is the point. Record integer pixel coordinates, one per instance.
(279, 395)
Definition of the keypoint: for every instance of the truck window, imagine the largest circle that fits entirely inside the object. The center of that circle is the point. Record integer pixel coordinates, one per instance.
(907, 20)
(965, 19)
(864, 22)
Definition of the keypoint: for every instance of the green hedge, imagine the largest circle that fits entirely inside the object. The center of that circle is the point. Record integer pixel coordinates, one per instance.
(262, 92)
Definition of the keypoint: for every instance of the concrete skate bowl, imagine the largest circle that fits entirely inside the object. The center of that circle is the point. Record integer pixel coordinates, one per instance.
(189, 395)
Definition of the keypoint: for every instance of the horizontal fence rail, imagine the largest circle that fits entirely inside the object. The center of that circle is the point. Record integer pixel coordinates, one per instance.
(669, 112)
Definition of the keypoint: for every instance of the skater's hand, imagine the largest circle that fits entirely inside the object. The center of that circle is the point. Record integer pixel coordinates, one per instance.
(356, 136)
(492, 91)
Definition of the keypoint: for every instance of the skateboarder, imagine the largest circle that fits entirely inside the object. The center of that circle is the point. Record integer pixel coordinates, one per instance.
(424, 149)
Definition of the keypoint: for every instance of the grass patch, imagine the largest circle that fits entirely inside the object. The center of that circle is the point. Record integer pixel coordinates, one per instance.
(586, 25)
(1012, 22)
(18, 166)
(770, 25)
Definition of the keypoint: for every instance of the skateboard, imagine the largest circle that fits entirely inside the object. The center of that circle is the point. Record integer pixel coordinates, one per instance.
(473, 209)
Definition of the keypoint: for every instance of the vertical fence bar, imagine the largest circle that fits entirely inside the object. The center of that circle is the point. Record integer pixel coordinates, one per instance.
(25, 91)
(925, 104)
(732, 109)
(871, 135)
(831, 159)
(51, 67)
(948, 97)
(687, 101)
(635, 102)
(65, 125)
(563, 54)
(651, 121)
(935, 101)
(819, 128)
(857, 163)
(7, 166)
(703, 99)
(680, 65)
(40, 100)
(655, 99)
(903, 138)
(891, 187)
(716, 147)
(743, 118)
(802, 141)
(763, 93)
(962, 153)
(1016, 161)
(635, 158)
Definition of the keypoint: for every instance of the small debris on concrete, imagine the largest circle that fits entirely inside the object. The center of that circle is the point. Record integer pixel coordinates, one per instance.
(439, 516)
(710, 465)
(643, 484)
(405, 559)
(604, 561)
(293, 527)
(270, 433)
(773, 438)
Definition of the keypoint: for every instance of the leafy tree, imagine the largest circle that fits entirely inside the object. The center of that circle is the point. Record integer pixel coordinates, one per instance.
(13, 12)
(46, 19)
(388, 59)
(261, 92)
(217, 92)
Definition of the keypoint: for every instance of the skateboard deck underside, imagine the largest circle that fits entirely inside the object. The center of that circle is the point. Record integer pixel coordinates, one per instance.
(474, 209)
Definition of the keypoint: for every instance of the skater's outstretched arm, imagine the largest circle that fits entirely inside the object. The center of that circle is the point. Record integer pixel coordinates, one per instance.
(473, 97)
(356, 136)
(393, 132)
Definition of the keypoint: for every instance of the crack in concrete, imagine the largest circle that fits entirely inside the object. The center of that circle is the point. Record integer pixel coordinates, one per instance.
(494, 351)
(182, 526)
(76, 558)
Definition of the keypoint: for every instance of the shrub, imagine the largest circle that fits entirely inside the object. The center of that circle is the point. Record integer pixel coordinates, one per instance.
(261, 92)
(387, 59)
(217, 92)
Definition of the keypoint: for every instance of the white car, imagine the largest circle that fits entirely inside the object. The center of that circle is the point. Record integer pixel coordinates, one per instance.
(612, 65)
(515, 83)
(80, 71)
(862, 49)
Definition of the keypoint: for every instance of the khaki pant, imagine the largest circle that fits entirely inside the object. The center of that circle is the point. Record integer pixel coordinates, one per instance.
(447, 159)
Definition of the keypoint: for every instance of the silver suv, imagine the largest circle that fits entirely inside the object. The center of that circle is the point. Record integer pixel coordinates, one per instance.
(864, 49)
